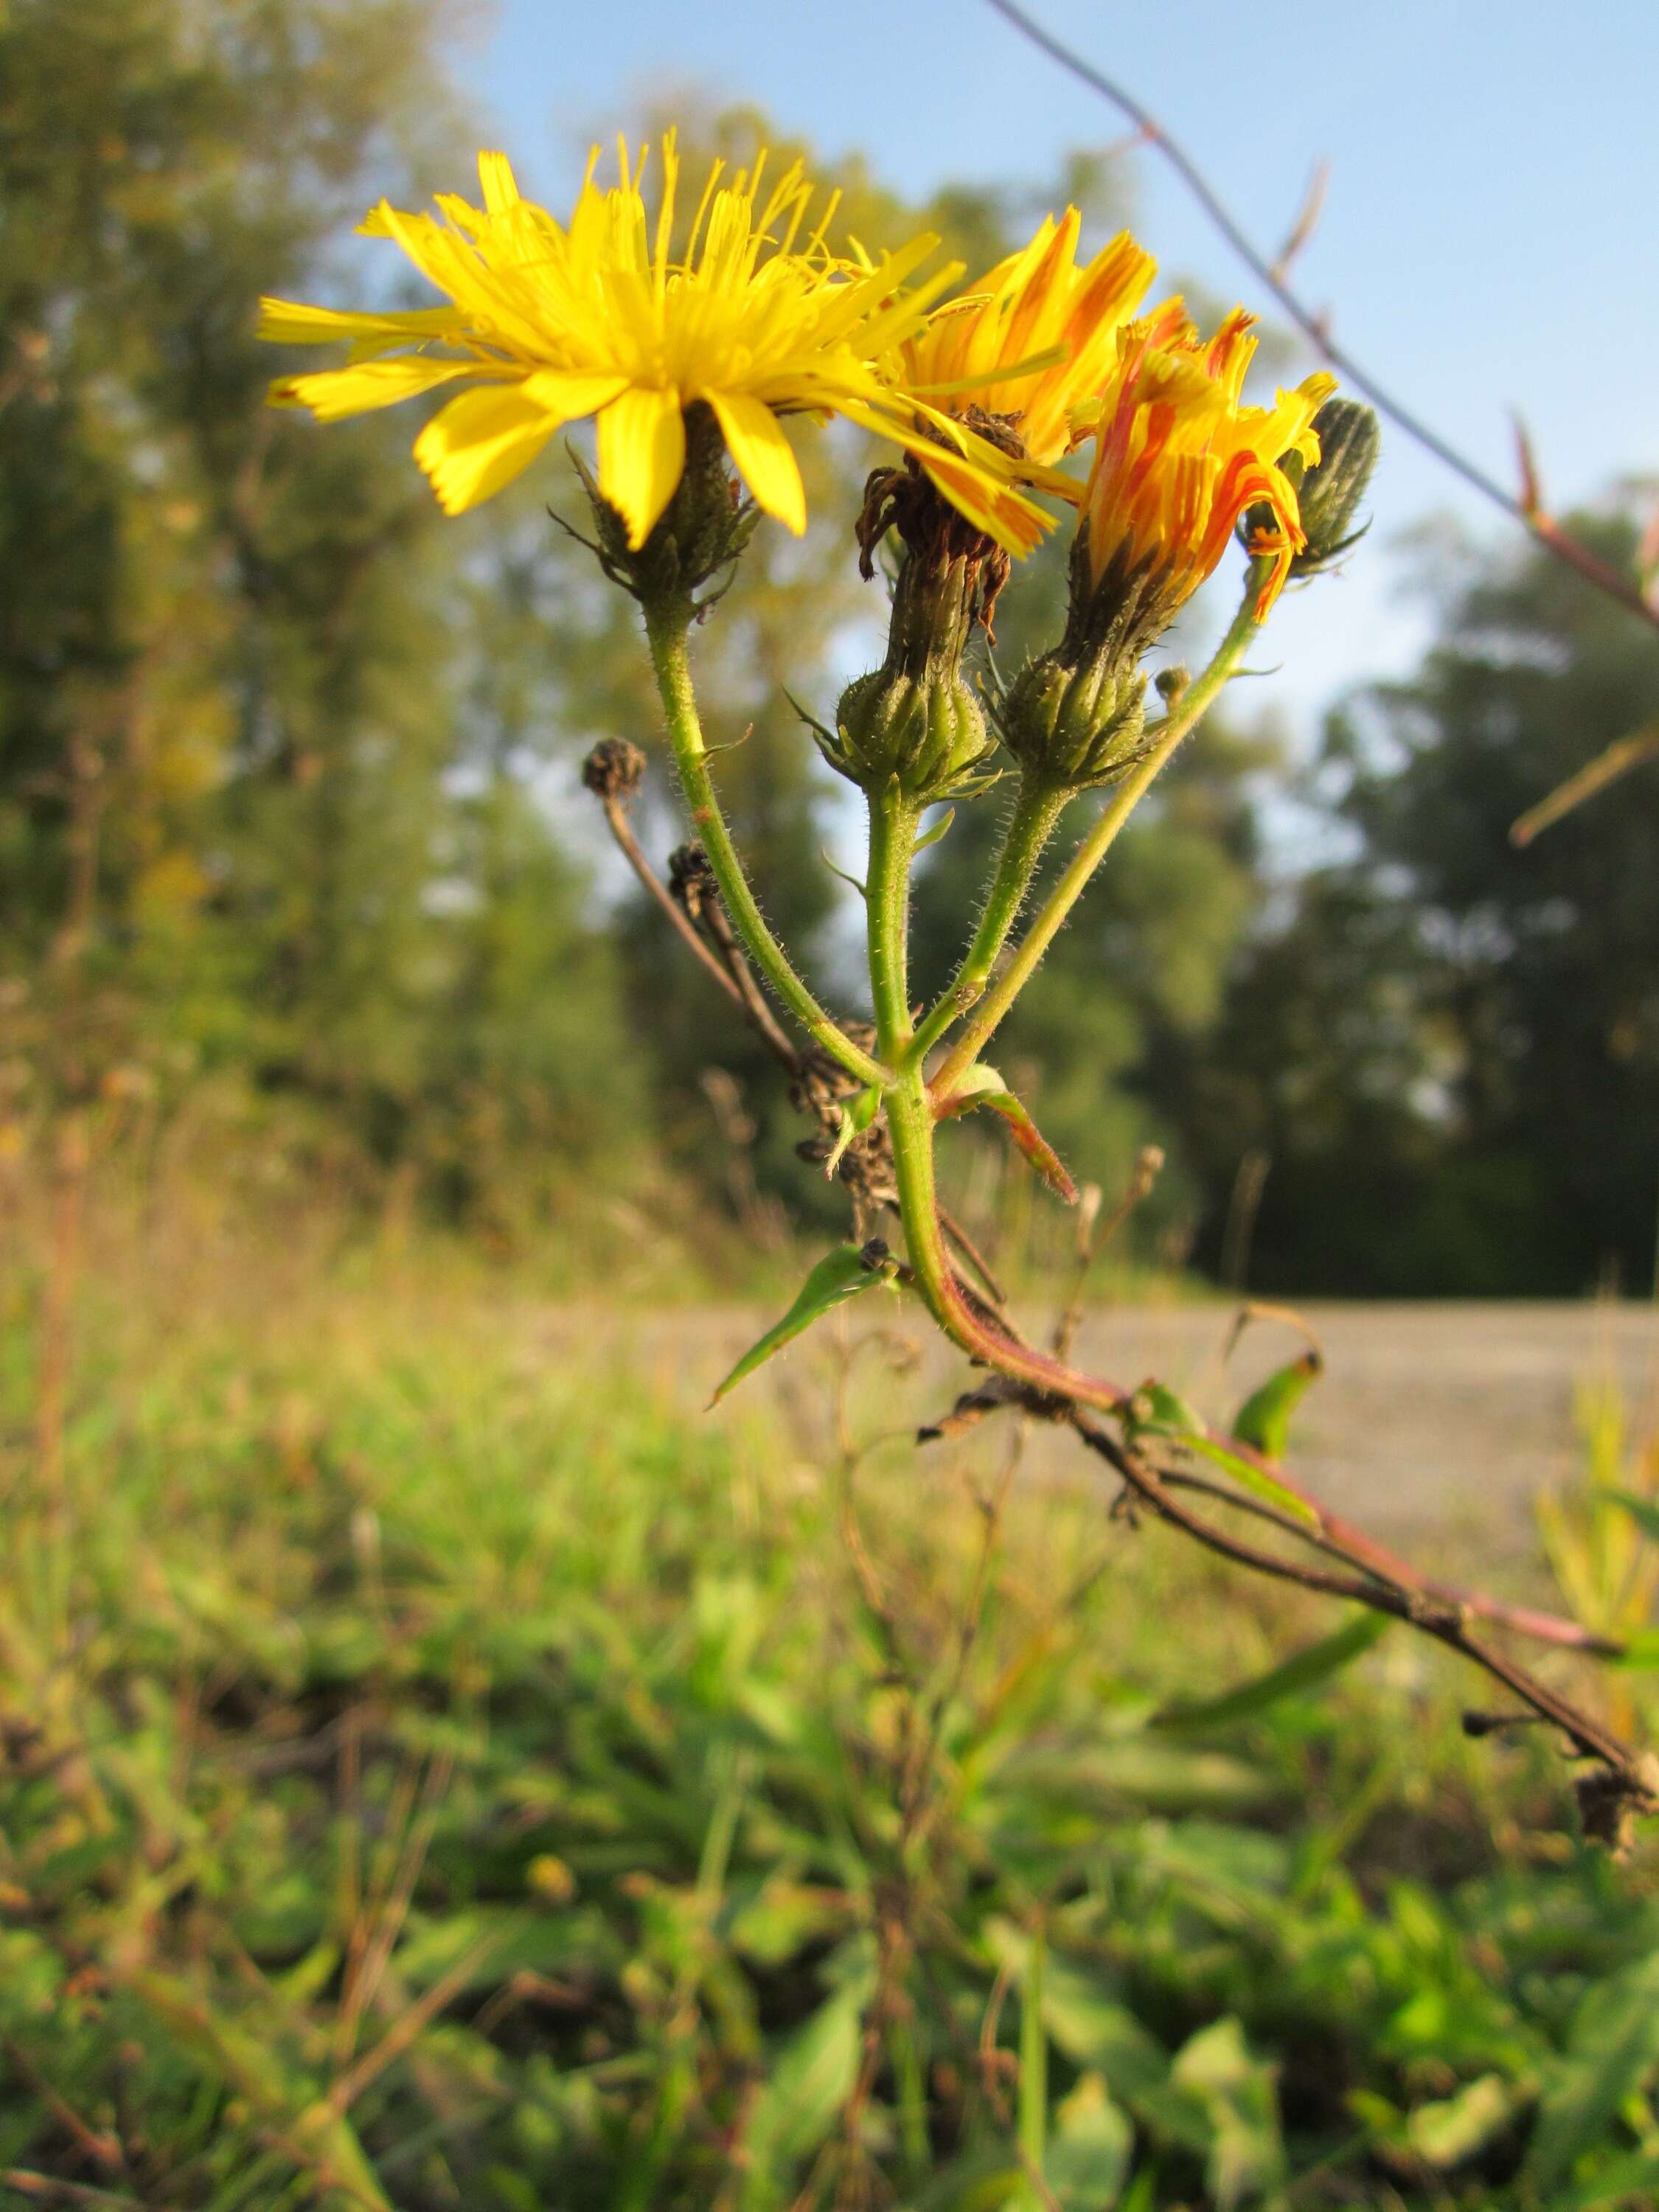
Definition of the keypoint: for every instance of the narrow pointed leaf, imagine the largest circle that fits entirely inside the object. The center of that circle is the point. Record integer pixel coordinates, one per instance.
(983, 1086)
(1303, 1671)
(840, 1275)
(1612, 2049)
(854, 1120)
(1158, 1411)
(931, 836)
(1256, 1479)
(1264, 1419)
(1643, 1510)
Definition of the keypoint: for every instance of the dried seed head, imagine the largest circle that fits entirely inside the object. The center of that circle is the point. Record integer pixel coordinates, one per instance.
(614, 770)
(691, 880)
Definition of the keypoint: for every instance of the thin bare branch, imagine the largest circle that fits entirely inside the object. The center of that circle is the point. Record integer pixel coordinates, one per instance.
(1315, 326)
(1448, 1624)
(1307, 222)
(1148, 1166)
(678, 920)
(1624, 753)
(971, 1252)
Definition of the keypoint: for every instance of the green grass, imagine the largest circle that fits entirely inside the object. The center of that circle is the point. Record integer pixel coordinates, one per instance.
(431, 1777)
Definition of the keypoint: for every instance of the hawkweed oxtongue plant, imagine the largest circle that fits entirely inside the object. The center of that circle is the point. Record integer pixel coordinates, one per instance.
(688, 342)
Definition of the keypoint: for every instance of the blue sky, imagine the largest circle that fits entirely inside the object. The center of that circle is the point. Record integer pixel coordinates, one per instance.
(1489, 240)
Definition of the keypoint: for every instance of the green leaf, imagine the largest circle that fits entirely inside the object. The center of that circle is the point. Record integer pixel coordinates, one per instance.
(1263, 1421)
(1159, 1408)
(244, 2063)
(931, 836)
(983, 1086)
(840, 1275)
(1641, 1652)
(1294, 1677)
(811, 2081)
(854, 1120)
(1443, 2133)
(1612, 2048)
(1643, 1510)
(1628, 2184)
(1256, 1479)
(1033, 2057)
(1156, 1410)
(1216, 2070)
(1088, 2159)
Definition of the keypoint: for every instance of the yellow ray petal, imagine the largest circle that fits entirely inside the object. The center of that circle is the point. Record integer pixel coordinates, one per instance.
(331, 394)
(501, 191)
(641, 455)
(290, 322)
(761, 454)
(480, 441)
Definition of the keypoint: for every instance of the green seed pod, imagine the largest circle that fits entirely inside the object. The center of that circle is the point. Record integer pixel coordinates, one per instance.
(1074, 725)
(924, 733)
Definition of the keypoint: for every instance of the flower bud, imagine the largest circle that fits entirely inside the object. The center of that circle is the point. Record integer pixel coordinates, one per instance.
(1329, 494)
(704, 529)
(1075, 715)
(914, 724)
(1350, 441)
(924, 733)
(1073, 726)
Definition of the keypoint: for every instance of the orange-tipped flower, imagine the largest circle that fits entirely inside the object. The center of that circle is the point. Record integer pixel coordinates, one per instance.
(1033, 337)
(1178, 458)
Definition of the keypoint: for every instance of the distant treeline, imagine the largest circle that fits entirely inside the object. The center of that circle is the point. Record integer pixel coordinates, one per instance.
(289, 809)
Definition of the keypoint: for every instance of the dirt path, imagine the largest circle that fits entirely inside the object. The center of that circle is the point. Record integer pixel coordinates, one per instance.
(1433, 1421)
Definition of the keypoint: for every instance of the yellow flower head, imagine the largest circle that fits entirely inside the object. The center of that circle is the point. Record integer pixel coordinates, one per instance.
(1033, 337)
(547, 324)
(1178, 460)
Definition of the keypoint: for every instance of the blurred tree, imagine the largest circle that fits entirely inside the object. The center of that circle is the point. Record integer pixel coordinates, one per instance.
(1450, 1049)
(231, 649)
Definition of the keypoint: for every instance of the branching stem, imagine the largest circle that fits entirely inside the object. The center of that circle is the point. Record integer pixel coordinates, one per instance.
(1030, 828)
(1193, 702)
(666, 633)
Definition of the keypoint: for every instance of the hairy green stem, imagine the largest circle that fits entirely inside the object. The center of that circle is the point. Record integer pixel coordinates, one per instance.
(1193, 702)
(666, 632)
(887, 907)
(1037, 809)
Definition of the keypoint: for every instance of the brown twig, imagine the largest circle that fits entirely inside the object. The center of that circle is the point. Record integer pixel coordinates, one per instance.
(1338, 1539)
(1608, 765)
(1314, 327)
(46, 2189)
(1051, 1385)
(678, 920)
(971, 1252)
(1307, 221)
(751, 997)
(1446, 1623)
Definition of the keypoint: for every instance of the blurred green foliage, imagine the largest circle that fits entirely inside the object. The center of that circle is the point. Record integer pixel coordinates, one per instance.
(437, 1776)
